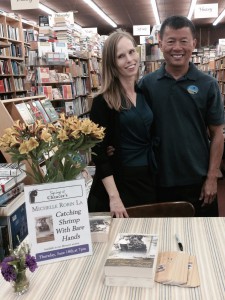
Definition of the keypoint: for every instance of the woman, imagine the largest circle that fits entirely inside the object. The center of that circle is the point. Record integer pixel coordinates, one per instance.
(125, 178)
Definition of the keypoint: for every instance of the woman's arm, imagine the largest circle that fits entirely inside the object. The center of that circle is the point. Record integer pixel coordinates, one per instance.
(117, 208)
(102, 115)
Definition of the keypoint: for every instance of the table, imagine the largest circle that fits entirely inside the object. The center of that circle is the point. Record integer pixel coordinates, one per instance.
(83, 278)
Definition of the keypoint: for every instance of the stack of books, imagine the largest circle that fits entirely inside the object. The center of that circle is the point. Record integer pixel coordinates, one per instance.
(12, 207)
(11, 174)
(132, 260)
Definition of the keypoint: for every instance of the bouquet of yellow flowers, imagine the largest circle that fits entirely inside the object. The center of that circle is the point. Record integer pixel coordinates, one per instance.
(60, 145)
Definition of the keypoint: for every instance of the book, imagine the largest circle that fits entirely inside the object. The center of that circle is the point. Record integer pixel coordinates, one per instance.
(5, 244)
(50, 110)
(100, 228)
(6, 183)
(43, 112)
(16, 222)
(36, 112)
(43, 74)
(141, 282)
(24, 113)
(67, 91)
(132, 255)
(7, 197)
(56, 93)
(11, 169)
(9, 207)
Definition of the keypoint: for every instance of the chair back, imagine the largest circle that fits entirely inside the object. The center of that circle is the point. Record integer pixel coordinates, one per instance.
(162, 210)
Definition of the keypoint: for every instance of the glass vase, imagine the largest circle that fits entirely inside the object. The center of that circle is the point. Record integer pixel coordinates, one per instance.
(21, 284)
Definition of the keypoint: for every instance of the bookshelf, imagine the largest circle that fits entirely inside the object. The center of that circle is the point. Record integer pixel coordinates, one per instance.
(220, 75)
(12, 66)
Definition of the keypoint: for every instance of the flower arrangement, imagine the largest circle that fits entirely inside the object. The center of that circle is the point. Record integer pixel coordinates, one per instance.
(13, 267)
(19, 260)
(60, 145)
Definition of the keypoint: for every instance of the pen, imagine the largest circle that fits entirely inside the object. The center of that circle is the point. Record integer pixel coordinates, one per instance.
(179, 242)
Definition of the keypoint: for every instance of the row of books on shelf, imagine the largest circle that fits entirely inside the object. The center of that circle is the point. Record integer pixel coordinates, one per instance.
(13, 32)
(63, 92)
(5, 85)
(30, 35)
(77, 107)
(78, 68)
(33, 110)
(18, 68)
(45, 75)
(15, 50)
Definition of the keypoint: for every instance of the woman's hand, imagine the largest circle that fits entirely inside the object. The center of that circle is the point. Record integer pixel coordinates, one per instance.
(117, 208)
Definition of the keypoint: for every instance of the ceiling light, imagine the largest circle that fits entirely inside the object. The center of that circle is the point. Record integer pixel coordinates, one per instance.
(100, 12)
(193, 3)
(46, 9)
(155, 12)
(219, 18)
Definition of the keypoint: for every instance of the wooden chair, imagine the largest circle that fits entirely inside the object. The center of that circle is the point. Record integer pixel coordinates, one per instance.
(162, 210)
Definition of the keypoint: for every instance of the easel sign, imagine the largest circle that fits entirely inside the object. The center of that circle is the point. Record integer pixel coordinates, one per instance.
(58, 221)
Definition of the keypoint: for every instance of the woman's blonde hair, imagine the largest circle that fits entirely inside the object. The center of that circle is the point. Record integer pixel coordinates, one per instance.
(111, 88)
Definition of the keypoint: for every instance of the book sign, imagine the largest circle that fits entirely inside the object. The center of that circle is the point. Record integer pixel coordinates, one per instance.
(141, 30)
(24, 4)
(206, 11)
(58, 221)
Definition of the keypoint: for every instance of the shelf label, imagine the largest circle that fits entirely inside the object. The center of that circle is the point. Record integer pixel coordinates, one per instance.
(141, 30)
(24, 4)
(206, 10)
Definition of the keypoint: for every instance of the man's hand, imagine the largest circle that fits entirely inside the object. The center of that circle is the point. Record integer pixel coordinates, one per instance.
(209, 190)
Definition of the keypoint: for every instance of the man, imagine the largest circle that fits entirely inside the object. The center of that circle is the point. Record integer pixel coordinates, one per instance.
(188, 117)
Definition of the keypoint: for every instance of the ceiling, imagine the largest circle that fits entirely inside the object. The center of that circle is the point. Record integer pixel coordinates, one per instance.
(125, 13)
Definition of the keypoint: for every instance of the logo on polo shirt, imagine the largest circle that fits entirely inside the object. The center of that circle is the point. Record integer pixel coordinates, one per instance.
(192, 89)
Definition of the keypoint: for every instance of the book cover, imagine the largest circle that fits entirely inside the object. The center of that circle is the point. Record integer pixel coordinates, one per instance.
(36, 111)
(69, 108)
(43, 74)
(67, 92)
(56, 93)
(50, 110)
(133, 255)
(100, 228)
(16, 224)
(43, 112)
(25, 114)
(11, 169)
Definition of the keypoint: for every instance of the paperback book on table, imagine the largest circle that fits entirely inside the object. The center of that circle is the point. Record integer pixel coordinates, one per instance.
(100, 228)
(132, 260)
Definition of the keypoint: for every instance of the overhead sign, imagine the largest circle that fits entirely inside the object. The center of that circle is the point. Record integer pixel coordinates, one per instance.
(206, 11)
(222, 42)
(90, 30)
(68, 15)
(58, 221)
(141, 30)
(24, 4)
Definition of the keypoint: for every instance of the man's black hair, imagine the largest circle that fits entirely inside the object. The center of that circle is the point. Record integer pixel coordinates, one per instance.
(177, 22)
